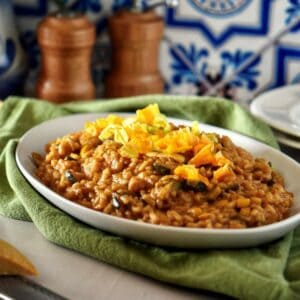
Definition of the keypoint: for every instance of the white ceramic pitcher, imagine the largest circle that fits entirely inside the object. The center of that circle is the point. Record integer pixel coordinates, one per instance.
(12, 58)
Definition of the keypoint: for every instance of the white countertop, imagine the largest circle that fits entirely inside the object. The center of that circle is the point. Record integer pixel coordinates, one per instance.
(76, 276)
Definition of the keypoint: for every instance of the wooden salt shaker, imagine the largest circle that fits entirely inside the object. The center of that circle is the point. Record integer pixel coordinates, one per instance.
(135, 39)
(66, 43)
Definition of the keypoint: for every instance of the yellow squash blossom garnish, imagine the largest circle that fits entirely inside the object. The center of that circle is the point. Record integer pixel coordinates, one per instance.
(135, 147)
(151, 116)
(177, 141)
(136, 129)
(147, 114)
(223, 172)
(94, 128)
(204, 140)
(117, 132)
(195, 127)
(150, 132)
(129, 150)
(204, 157)
(190, 172)
(222, 160)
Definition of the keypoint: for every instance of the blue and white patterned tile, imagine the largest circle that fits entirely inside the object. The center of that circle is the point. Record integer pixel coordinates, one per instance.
(230, 32)
(216, 37)
(218, 24)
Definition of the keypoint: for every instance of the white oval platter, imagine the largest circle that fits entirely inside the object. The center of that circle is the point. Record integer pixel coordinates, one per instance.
(35, 139)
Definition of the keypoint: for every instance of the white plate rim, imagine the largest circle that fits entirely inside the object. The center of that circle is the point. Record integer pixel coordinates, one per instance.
(295, 219)
(256, 108)
(286, 140)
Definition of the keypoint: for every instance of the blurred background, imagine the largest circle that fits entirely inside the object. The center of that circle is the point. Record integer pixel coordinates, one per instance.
(244, 46)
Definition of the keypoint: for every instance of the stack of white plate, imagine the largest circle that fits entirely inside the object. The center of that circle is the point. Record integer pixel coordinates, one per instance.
(280, 108)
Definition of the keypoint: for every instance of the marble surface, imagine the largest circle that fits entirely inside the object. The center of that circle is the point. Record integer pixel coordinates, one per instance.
(76, 276)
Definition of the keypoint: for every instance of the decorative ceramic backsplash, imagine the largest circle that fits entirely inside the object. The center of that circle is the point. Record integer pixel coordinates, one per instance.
(243, 46)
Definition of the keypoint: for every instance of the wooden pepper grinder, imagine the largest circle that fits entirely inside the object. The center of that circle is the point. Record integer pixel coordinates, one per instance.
(135, 37)
(66, 40)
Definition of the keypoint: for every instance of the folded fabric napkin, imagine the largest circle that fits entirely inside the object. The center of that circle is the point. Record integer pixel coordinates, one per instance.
(271, 271)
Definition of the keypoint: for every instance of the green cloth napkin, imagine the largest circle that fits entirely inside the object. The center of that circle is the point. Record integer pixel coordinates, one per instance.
(271, 271)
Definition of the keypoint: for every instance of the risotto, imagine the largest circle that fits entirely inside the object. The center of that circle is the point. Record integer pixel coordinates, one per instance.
(146, 169)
